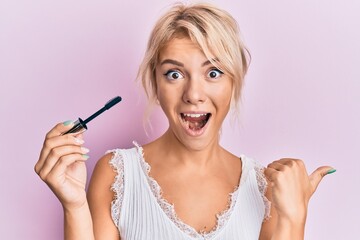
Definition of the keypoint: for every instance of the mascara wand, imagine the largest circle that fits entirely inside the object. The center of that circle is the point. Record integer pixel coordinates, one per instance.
(80, 125)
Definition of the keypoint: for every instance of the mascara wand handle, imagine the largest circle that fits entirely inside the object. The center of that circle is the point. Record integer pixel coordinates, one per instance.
(79, 127)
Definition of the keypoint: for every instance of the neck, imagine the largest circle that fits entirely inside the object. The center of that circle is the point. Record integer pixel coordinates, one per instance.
(185, 153)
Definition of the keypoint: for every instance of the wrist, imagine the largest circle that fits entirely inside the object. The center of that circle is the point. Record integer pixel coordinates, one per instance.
(297, 218)
(287, 228)
(75, 214)
(293, 215)
(78, 223)
(75, 207)
(296, 224)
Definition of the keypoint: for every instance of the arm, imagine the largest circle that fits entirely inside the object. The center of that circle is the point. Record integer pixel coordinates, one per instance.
(290, 189)
(61, 166)
(78, 223)
(277, 228)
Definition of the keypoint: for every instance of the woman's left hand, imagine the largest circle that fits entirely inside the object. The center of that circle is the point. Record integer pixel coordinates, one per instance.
(292, 187)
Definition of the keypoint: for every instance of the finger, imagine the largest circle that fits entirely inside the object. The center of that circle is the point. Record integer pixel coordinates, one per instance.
(55, 132)
(289, 161)
(54, 142)
(59, 129)
(278, 166)
(61, 166)
(316, 177)
(57, 154)
(271, 174)
(296, 166)
(80, 136)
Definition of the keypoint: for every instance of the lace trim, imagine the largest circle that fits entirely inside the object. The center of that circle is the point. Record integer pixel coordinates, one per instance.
(117, 163)
(169, 208)
(262, 184)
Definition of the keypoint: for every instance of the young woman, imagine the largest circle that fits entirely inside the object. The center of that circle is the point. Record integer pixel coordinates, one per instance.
(183, 185)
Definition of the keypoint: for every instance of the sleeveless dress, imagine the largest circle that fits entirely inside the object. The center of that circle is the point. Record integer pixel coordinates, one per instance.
(140, 213)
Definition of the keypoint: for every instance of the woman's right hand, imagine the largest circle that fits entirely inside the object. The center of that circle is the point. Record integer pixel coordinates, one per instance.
(61, 166)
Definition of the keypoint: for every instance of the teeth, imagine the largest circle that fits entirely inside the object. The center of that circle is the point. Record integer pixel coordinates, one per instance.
(194, 115)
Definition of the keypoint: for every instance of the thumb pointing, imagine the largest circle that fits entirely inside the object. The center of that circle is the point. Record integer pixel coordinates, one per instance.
(316, 177)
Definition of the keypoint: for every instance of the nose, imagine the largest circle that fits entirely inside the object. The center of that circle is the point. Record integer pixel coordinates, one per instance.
(194, 92)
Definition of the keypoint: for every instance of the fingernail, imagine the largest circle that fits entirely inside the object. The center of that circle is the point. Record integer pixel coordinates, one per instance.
(331, 171)
(78, 140)
(84, 150)
(85, 156)
(67, 123)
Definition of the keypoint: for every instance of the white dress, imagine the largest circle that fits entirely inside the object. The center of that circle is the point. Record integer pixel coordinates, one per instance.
(140, 212)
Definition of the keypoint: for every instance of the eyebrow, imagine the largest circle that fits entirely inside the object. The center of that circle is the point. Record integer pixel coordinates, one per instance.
(206, 63)
(171, 61)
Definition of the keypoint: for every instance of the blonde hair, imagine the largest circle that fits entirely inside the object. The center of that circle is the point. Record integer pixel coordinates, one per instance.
(214, 30)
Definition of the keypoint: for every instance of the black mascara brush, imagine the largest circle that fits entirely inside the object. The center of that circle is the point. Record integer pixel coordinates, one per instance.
(80, 125)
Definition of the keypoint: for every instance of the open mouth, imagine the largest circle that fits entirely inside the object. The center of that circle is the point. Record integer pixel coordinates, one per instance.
(195, 121)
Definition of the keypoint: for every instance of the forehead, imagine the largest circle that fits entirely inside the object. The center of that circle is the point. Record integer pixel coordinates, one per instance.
(180, 47)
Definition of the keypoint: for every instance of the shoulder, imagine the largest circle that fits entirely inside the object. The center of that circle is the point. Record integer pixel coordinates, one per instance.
(108, 173)
(100, 197)
(270, 221)
(251, 166)
(250, 162)
(256, 169)
(258, 179)
(103, 175)
(109, 166)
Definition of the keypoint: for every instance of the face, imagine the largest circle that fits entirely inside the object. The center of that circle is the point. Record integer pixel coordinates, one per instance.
(194, 95)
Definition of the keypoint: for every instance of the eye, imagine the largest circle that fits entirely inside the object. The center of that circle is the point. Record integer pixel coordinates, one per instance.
(173, 75)
(214, 73)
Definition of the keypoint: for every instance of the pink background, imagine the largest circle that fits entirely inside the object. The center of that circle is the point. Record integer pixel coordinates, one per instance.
(60, 60)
